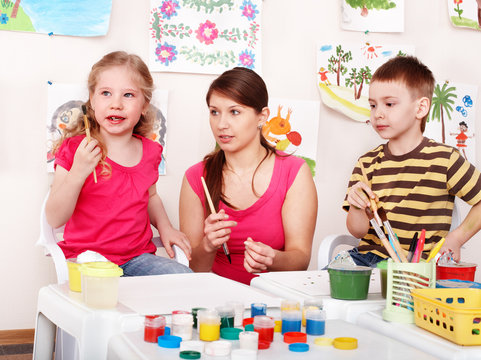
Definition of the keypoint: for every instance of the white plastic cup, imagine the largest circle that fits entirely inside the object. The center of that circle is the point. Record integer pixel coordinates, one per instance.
(239, 312)
(243, 354)
(182, 325)
(100, 284)
(249, 340)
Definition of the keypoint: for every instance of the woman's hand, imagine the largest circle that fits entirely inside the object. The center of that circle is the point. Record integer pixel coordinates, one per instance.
(171, 236)
(257, 256)
(357, 195)
(86, 158)
(217, 231)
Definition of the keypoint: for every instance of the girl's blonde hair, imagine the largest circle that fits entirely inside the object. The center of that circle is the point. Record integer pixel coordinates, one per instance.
(141, 73)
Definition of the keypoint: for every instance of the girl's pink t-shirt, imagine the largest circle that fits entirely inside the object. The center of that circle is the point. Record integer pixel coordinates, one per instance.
(262, 221)
(111, 216)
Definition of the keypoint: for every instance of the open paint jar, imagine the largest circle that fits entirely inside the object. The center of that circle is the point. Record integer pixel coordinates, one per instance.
(74, 281)
(350, 283)
(460, 271)
(100, 284)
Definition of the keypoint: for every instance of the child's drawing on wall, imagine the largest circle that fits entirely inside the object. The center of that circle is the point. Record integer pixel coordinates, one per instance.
(452, 117)
(465, 13)
(373, 15)
(63, 112)
(292, 128)
(350, 68)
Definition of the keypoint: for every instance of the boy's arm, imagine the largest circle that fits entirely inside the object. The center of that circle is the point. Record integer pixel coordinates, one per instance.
(159, 219)
(459, 236)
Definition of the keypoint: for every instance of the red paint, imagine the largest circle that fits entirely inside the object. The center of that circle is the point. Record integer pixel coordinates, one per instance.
(152, 333)
(265, 334)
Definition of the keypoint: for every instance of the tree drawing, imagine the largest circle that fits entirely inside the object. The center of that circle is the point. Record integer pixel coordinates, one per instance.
(13, 15)
(478, 2)
(361, 77)
(364, 5)
(442, 101)
(336, 63)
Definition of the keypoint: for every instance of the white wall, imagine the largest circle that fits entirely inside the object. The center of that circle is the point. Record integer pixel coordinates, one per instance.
(291, 32)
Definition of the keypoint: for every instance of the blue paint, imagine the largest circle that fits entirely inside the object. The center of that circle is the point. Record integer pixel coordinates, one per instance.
(291, 325)
(258, 309)
(386, 53)
(315, 327)
(326, 47)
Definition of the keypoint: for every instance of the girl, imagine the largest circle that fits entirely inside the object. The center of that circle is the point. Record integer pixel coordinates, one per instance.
(266, 202)
(113, 215)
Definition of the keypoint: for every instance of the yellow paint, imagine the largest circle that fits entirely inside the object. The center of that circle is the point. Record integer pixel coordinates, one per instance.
(357, 109)
(209, 332)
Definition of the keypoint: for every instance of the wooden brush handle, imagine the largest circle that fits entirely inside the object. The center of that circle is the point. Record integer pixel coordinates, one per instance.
(387, 245)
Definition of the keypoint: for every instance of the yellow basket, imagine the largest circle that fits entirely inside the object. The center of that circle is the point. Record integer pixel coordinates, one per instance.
(454, 314)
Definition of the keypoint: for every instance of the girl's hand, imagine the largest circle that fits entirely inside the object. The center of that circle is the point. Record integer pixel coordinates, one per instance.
(86, 158)
(357, 195)
(217, 231)
(257, 256)
(170, 237)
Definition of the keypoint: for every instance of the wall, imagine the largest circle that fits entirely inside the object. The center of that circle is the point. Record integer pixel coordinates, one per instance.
(291, 32)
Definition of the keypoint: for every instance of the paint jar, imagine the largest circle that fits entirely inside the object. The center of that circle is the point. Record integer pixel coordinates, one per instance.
(291, 321)
(243, 354)
(310, 304)
(315, 322)
(194, 315)
(182, 326)
(74, 282)
(290, 305)
(350, 284)
(264, 325)
(209, 325)
(382, 266)
(154, 326)
(100, 284)
(249, 340)
(238, 311)
(218, 348)
(258, 309)
(460, 271)
(227, 314)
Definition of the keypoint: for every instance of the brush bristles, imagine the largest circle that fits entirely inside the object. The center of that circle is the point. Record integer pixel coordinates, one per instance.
(84, 109)
(382, 214)
(369, 213)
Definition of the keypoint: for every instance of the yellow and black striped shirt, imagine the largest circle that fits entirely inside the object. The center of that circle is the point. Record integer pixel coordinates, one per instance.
(417, 190)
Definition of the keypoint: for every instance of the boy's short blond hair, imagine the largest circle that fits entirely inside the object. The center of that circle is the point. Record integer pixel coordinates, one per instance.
(413, 73)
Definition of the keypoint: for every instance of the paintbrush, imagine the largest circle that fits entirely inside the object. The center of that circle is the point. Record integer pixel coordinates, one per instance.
(212, 210)
(87, 134)
(372, 201)
(381, 235)
(392, 235)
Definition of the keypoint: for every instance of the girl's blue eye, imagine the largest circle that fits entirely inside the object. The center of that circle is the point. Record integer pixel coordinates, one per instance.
(372, 106)
(129, 95)
(235, 112)
(105, 93)
(214, 112)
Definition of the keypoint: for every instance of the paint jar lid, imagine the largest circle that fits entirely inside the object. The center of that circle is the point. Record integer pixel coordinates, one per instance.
(294, 337)
(299, 347)
(230, 333)
(169, 341)
(192, 345)
(189, 354)
(247, 321)
(249, 327)
(218, 348)
(323, 341)
(101, 269)
(243, 354)
(345, 343)
(263, 321)
(208, 316)
(225, 311)
(315, 314)
(154, 320)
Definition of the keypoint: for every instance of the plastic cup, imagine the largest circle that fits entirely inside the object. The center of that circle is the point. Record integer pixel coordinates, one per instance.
(382, 266)
(315, 322)
(209, 325)
(310, 304)
(154, 326)
(291, 321)
(350, 284)
(264, 325)
(74, 278)
(290, 305)
(227, 315)
(249, 340)
(182, 325)
(258, 309)
(100, 284)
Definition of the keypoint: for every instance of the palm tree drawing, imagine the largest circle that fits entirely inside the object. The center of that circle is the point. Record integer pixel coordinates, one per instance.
(442, 101)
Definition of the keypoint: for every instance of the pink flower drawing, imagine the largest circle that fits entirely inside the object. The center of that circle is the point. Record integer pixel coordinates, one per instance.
(207, 32)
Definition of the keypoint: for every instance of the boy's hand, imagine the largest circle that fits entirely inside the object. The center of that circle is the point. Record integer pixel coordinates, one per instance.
(357, 195)
(452, 244)
(217, 230)
(257, 256)
(86, 158)
(170, 237)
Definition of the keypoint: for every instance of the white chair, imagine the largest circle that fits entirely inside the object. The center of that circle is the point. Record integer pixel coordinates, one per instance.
(327, 249)
(66, 345)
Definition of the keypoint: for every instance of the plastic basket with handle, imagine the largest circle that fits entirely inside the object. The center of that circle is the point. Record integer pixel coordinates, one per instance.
(454, 314)
(401, 279)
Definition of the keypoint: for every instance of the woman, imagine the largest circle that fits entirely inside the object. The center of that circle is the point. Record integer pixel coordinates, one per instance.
(266, 201)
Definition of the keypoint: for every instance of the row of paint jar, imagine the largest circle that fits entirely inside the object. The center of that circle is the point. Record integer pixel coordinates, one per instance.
(154, 326)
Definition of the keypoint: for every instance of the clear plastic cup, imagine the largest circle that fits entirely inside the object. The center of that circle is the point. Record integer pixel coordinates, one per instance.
(100, 284)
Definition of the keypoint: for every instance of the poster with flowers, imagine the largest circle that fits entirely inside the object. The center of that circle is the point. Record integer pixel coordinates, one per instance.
(373, 15)
(452, 117)
(65, 106)
(465, 13)
(205, 36)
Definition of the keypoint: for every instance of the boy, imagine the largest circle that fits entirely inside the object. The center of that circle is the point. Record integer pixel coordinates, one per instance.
(413, 178)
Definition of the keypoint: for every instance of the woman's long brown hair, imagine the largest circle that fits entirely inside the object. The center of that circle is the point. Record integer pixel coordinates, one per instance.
(247, 88)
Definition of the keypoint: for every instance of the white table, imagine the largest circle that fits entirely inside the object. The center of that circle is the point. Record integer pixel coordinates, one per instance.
(302, 285)
(138, 296)
(417, 337)
(131, 346)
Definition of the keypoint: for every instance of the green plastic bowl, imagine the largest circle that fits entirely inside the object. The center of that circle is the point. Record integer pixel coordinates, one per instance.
(349, 284)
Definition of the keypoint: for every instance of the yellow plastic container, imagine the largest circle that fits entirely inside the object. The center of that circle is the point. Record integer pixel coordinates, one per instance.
(454, 314)
(74, 279)
(100, 284)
